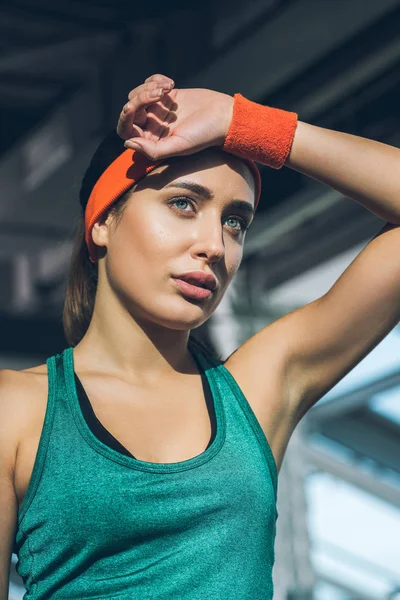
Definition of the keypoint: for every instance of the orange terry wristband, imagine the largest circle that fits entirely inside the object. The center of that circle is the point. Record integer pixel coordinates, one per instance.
(260, 133)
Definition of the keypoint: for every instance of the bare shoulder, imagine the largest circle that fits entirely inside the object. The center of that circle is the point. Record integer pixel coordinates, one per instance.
(259, 366)
(15, 383)
(23, 398)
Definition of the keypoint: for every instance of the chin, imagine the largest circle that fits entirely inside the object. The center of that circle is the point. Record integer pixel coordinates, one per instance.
(184, 319)
(184, 323)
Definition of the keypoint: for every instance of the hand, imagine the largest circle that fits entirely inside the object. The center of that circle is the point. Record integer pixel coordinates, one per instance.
(161, 121)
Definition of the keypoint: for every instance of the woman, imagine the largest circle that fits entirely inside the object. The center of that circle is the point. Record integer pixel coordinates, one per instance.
(164, 483)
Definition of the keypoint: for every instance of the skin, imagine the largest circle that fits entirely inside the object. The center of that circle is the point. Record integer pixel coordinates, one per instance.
(141, 321)
(179, 121)
(182, 121)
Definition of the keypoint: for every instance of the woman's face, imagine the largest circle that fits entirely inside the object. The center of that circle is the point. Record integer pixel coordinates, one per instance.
(184, 216)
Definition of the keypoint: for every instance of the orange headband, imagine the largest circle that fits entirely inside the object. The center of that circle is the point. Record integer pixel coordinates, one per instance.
(128, 168)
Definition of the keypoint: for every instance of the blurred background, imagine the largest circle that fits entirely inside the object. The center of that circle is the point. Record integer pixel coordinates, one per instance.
(66, 68)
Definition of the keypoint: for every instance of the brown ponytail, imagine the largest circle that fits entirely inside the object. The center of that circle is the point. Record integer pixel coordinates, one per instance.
(82, 280)
(81, 290)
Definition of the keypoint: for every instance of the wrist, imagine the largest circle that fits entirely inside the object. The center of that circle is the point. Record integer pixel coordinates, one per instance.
(260, 133)
(225, 115)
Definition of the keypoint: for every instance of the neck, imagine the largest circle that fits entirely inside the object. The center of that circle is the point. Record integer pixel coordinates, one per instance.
(143, 352)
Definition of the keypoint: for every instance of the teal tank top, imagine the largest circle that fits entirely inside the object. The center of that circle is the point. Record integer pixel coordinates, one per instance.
(97, 524)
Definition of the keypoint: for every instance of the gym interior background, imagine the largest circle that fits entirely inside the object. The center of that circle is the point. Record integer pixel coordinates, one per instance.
(65, 70)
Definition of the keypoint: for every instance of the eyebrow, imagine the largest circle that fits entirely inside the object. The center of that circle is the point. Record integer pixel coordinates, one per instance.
(207, 194)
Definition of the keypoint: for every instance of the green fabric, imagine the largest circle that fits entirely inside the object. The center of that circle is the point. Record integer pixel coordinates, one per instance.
(98, 524)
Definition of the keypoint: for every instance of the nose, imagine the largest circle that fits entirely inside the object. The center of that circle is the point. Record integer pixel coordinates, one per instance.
(210, 241)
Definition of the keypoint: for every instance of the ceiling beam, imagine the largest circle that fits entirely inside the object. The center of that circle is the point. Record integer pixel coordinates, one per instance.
(370, 438)
(267, 60)
(347, 403)
(71, 57)
(326, 462)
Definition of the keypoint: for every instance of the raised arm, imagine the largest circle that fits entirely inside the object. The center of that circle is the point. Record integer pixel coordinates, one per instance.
(361, 169)
(161, 120)
(321, 342)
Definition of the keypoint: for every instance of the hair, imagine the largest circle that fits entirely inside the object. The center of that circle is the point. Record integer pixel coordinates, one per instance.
(82, 274)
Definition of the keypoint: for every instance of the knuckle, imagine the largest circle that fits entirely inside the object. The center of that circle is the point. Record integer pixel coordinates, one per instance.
(136, 91)
(133, 93)
(157, 77)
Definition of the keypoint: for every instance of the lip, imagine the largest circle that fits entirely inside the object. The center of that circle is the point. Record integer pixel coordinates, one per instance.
(192, 291)
(199, 278)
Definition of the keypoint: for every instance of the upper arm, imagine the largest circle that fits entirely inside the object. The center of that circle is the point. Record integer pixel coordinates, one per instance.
(8, 499)
(287, 366)
(331, 335)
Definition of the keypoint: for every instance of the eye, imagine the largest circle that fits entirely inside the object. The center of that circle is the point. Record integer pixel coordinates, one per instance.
(241, 224)
(181, 199)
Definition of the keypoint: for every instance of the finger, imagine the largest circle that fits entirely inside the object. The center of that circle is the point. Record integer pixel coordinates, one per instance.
(166, 103)
(163, 148)
(145, 88)
(132, 120)
(162, 112)
(157, 127)
(127, 130)
(151, 85)
(145, 100)
(134, 112)
(159, 111)
(137, 106)
(160, 78)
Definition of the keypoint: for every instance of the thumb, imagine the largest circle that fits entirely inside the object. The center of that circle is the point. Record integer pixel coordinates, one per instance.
(163, 148)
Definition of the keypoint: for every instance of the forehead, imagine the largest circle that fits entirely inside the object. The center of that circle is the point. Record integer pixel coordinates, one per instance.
(223, 173)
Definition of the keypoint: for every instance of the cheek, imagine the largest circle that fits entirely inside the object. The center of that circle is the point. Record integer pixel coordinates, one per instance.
(147, 234)
(236, 255)
(148, 239)
(141, 249)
